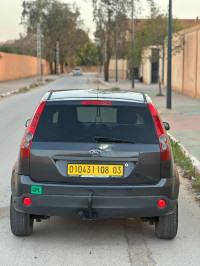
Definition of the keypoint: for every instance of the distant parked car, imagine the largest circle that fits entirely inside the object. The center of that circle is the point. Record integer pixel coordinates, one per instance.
(77, 71)
(95, 155)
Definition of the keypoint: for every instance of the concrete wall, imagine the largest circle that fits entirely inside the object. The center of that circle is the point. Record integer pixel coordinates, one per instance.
(198, 64)
(177, 70)
(186, 65)
(13, 66)
(189, 64)
(122, 69)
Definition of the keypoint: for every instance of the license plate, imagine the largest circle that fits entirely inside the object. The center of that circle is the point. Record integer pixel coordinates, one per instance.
(95, 170)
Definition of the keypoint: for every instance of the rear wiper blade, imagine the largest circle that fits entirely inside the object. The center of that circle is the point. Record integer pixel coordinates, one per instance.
(116, 140)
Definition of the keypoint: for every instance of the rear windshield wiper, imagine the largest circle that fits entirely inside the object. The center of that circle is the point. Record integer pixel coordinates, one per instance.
(116, 140)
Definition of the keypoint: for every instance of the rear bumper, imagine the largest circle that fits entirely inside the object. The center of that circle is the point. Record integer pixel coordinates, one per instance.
(105, 201)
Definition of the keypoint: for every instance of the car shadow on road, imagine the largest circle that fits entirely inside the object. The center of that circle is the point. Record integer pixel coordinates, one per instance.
(74, 229)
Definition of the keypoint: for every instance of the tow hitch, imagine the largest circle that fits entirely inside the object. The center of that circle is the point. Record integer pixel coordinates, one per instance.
(89, 214)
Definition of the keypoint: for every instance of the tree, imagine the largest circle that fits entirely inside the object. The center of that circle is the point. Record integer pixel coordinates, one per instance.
(7, 48)
(106, 15)
(59, 22)
(26, 44)
(88, 55)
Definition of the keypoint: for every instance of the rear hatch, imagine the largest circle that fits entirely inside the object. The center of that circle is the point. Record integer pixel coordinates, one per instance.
(95, 142)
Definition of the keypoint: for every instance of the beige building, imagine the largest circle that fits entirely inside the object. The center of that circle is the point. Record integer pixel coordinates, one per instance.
(122, 69)
(150, 72)
(185, 64)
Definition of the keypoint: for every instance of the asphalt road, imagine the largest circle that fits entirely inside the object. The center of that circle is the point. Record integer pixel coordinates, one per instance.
(70, 241)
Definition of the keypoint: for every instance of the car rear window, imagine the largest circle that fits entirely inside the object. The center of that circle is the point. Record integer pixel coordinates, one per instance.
(82, 123)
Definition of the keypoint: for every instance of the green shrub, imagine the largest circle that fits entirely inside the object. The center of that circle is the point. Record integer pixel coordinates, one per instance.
(186, 164)
(24, 89)
(115, 89)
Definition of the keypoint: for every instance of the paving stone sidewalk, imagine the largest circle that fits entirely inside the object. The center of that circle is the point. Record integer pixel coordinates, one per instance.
(12, 86)
(184, 118)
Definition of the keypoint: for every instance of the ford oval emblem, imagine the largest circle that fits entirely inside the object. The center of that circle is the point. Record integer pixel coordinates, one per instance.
(95, 152)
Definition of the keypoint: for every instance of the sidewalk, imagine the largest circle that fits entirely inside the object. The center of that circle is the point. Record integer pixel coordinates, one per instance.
(184, 118)
(13, 86)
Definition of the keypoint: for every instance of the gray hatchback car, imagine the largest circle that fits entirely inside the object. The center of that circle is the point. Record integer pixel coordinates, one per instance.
(95, 154)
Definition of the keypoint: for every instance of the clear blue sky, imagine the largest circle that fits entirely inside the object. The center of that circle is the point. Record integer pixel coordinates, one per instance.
(10, 14)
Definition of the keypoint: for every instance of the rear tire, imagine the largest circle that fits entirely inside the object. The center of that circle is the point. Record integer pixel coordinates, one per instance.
(21, 223)
(166, 226)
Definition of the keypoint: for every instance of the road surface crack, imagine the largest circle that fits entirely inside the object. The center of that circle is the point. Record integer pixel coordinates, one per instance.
(137, 249)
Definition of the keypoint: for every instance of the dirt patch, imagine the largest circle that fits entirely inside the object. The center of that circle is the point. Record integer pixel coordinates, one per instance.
(187, 183)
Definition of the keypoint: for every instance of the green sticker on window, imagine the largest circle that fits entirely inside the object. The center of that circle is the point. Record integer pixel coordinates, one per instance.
(36, 190)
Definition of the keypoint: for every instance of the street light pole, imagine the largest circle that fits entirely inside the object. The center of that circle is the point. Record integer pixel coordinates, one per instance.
(132, 41)
(169, 61)
(116, 47)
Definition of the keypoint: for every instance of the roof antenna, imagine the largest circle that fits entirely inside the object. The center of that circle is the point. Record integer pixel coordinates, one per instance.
(98, 91)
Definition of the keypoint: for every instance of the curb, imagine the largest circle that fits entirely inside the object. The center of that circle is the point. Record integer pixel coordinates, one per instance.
(105, 83)
(195, 162)
(5, 94)
(116, 84)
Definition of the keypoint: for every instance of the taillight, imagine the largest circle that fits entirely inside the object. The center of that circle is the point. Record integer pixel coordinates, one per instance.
(28, 137)
(161, 203)
(163, 140)
(96, 103)
(27, 201)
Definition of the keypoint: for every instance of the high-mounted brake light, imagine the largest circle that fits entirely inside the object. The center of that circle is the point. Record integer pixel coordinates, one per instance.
(163, 140)
(96, 103)
(29, 134)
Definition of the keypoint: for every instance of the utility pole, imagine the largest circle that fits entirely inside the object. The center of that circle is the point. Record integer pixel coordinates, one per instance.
(57, 57)
(39, 59)
(169, 61)
(98, 42)
(132, 42)
(101, 59)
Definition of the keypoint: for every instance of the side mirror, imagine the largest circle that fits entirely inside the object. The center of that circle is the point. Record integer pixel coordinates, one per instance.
(166, 125)
(27, 122)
